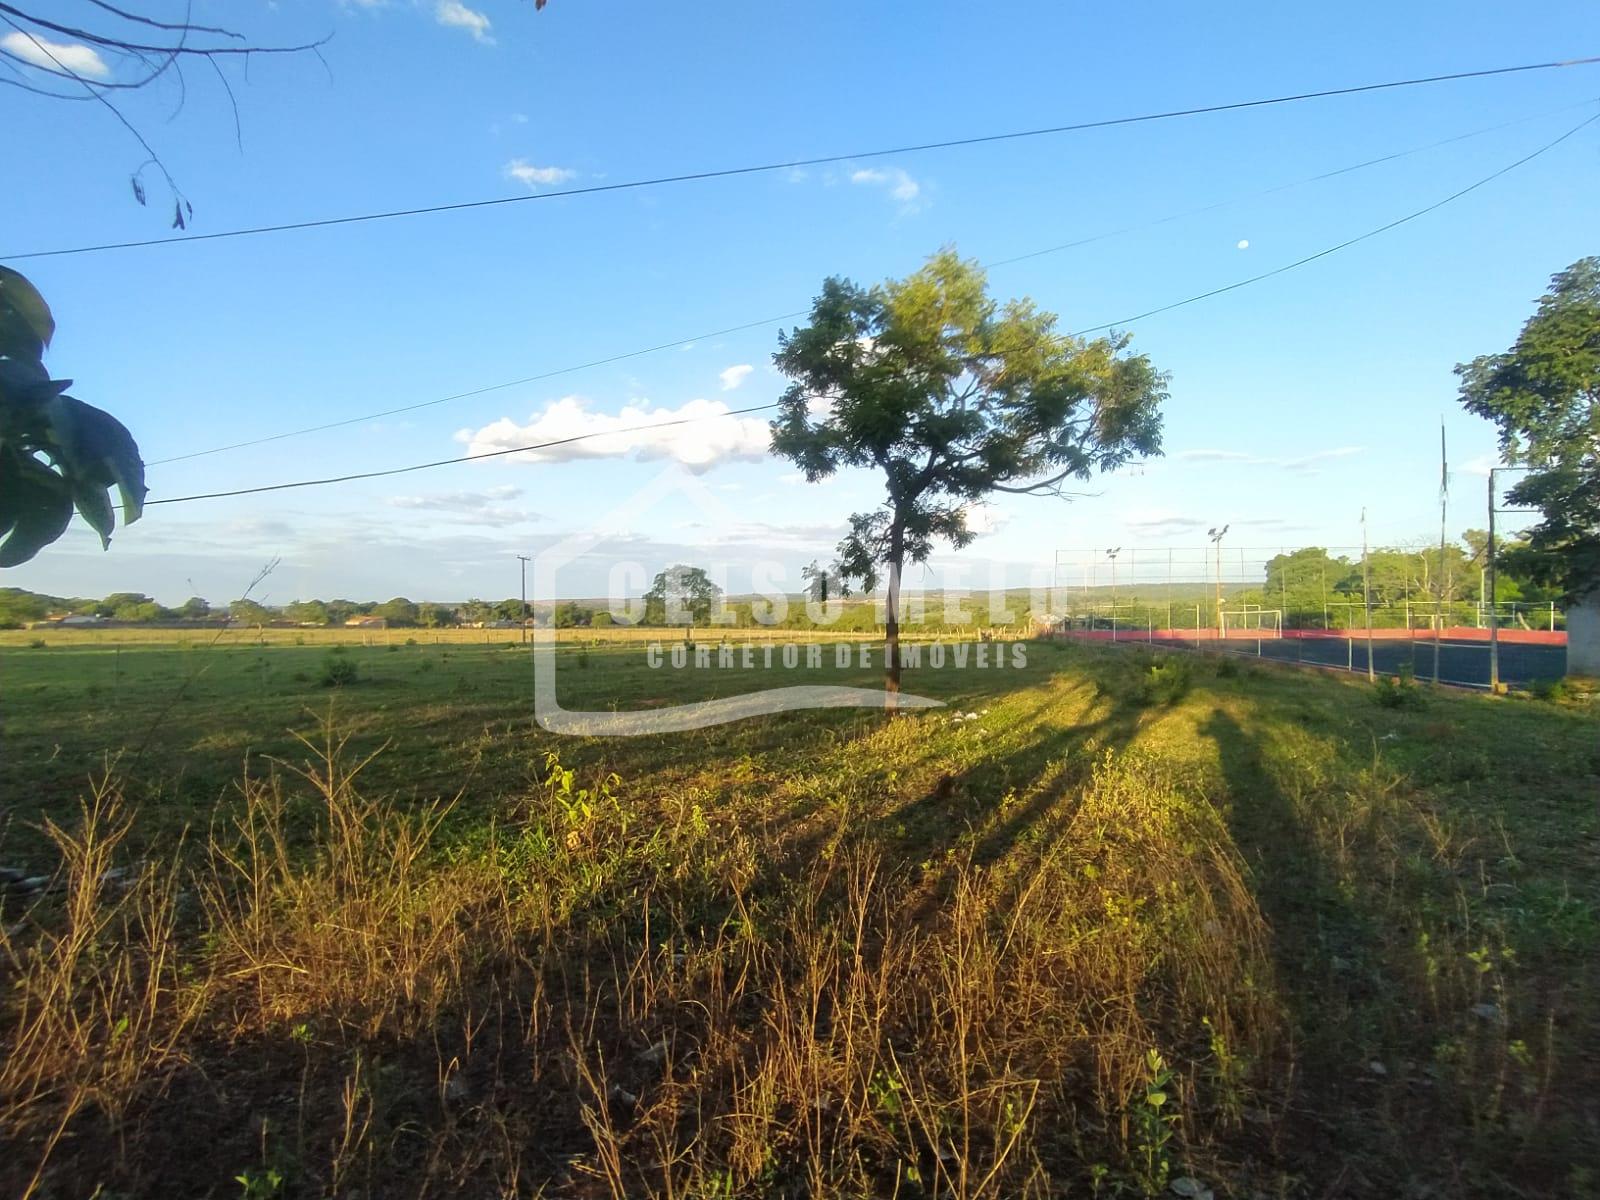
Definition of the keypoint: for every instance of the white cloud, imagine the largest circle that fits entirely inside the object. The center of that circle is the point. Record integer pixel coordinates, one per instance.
(637, 432)
(455, 15)
(1306, 463)
(525, 172)
(767, 534)
(1154, 522)
(1479, 466)
(984, 519)
(487, 507)
(71, 57)
(895, 181)
(734, 376)
(1242, 244)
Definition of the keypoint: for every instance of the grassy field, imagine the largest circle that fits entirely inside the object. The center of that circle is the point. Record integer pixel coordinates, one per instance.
(1114, 923)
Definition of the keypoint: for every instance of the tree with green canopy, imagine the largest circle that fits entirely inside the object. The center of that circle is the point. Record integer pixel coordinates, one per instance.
(340, 611)
(18, 607)
(823, 583)
(433, 616)
(121, 600)
(307, 612)
(248, 612)
(509, 609)
(1543, 394)
(681, 595)
(951, 396)
(569, 615)
(398, 611)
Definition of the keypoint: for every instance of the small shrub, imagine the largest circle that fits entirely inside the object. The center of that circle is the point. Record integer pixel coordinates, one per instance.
(1398, 691)
(337, 670)
(37, 644)
(411, 641)
(1227, 669)
(1553, 690)
(1153, 1123)
(583, 659)
(1164, 682)
(393, 649)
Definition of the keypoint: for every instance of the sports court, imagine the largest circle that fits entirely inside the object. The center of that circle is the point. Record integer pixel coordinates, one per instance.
(1463, 654)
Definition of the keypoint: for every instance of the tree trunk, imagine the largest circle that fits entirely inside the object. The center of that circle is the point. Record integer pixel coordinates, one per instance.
(891, 616)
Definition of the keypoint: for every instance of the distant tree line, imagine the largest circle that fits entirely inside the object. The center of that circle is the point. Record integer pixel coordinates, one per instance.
(1314, 589)
(1310, 586)
(19, 607)
(1307, 585)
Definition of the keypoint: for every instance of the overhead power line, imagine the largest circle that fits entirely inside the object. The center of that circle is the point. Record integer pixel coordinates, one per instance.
(789, 316)
(1371, 233)
(1284, 187)
(493, 387)
(464, 458)
(816, 161)
(1310, 258)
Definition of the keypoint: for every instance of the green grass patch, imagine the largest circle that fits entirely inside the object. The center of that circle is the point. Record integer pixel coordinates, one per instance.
(1110, 920)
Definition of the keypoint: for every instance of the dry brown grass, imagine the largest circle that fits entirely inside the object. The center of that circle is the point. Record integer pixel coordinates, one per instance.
(1057, 975)
(867, 1051)
(713, 1028)
(97, 1007)
(363, 925)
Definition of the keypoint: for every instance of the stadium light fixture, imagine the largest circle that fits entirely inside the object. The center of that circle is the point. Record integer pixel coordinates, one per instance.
(1112, 555)
(1215, 535)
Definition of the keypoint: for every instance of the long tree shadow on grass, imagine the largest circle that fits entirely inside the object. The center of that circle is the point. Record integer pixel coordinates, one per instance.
(979, 815)
(1363, 1113)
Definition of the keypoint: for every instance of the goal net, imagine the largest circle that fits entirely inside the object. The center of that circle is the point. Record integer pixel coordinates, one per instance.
(1257, 622)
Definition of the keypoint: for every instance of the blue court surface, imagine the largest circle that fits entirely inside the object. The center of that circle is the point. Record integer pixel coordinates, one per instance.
(1460, 662)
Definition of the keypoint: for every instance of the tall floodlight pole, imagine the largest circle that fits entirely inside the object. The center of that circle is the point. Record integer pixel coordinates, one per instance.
(1169, 589)
(1366, 594)
(1112, 555)
(524, 559)
(1444, 569)
(1215, 535)
(1494, 620)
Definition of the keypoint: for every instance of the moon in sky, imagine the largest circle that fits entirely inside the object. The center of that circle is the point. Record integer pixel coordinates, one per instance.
(1244, 244)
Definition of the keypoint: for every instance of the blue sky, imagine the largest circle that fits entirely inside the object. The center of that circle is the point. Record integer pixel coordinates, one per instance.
(1295, 402)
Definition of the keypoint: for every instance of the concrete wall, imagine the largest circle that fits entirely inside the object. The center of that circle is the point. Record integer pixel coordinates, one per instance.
(1583, 637)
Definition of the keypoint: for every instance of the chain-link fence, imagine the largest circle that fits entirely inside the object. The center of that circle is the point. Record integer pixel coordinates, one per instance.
(1313, 588)
(1388, 612)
